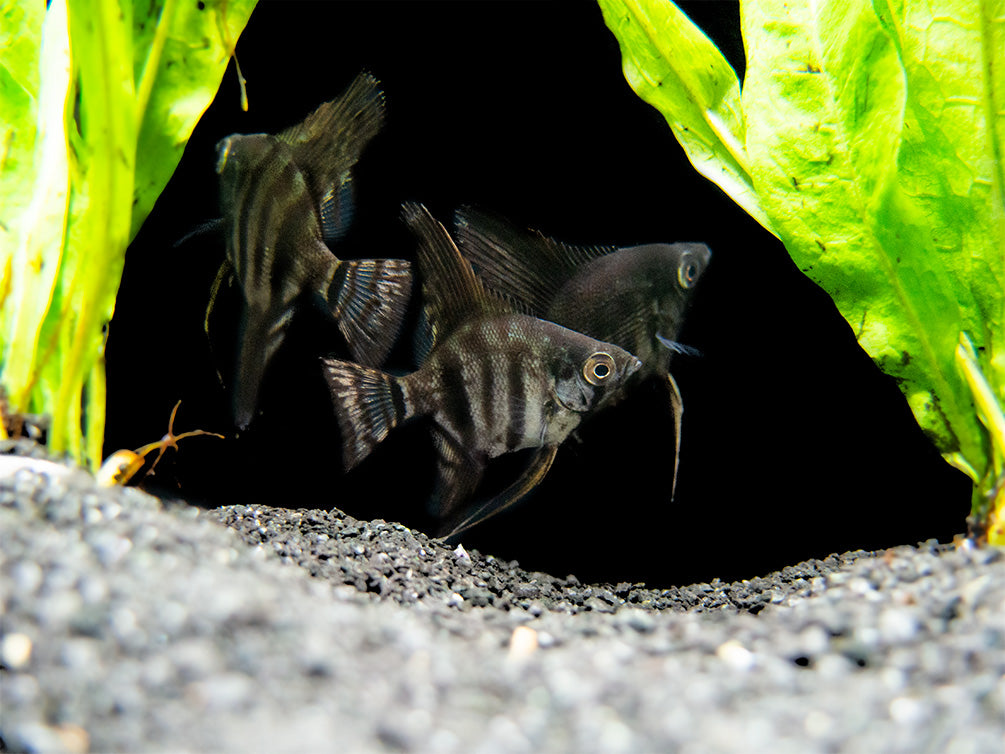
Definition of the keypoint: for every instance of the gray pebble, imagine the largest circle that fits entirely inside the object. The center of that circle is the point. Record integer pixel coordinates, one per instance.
(161, 627)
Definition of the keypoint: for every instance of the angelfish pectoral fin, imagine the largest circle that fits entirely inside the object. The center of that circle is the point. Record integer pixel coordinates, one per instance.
(221, 275)
(530, 478)
(676, 347)
(677, 406)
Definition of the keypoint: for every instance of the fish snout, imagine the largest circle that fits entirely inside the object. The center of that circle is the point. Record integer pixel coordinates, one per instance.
(223, 148)
(634, 364)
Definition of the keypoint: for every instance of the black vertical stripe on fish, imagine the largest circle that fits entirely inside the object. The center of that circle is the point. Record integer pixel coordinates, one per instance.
(516, 409)
(282, 196)
(456, 404)
(488, 418)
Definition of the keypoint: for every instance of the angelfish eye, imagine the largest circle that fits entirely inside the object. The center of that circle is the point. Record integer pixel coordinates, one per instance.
(687, 271)
(598, 368)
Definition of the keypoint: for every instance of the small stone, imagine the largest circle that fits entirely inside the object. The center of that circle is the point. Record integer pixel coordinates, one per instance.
(522, 644)
(907, 711)
(639, 620)
(898, 625)
(735, 655)
(15, 651)
(818, 723)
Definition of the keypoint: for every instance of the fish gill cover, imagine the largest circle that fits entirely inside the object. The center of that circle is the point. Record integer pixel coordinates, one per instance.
(868, 137)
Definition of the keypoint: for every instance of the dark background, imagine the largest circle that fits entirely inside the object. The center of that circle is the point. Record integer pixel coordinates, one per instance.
(794, 445)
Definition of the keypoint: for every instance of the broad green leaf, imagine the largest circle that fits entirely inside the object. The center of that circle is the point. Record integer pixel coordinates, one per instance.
(952, 159)
(673, 66)
(825, 97)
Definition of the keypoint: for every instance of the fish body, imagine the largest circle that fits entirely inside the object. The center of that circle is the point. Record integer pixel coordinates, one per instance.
(492, 381)
(286, 199)
(635, 297)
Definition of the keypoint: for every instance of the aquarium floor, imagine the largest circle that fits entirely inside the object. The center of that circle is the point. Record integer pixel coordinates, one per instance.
(131, 623)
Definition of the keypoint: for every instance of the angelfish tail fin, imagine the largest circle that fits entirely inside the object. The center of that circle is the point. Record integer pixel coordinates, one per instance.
(368, 403)
(368, 298)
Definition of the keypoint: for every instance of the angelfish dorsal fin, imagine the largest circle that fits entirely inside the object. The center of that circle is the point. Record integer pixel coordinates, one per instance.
(331, 139)
(524, 266)
(452, 293)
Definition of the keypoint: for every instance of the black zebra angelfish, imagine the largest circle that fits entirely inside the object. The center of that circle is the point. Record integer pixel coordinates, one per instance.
(286, 199)
(634, 296)
(492, 381)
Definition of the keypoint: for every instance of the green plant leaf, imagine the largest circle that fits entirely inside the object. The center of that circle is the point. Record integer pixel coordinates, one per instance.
(952, 158)
(20, 43)
(178, 73)
(34, 181)
(673, 66)
(825, 97)
(138, 76)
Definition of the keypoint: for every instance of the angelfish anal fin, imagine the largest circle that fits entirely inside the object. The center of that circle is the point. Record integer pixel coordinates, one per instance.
(531, 477)
(457, 475)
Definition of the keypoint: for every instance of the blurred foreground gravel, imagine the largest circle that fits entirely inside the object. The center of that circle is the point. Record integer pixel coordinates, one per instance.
(131, 624)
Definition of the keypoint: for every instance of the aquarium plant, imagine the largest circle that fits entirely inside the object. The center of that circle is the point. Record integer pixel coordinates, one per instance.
(97, 101)
(869, 136)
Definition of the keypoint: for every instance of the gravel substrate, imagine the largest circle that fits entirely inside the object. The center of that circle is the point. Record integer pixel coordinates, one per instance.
(132, 624)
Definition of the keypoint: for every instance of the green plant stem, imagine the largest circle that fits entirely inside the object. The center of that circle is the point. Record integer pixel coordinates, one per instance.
(152, 64)
(102, 38)
(989, 495)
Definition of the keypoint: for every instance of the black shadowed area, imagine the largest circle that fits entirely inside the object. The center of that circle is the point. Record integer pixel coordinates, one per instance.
(794, 445)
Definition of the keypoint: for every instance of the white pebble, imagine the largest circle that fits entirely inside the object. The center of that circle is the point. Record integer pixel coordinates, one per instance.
(735, 655)
(898, 625)
(15, 651)
(818, 723)
(906, 711)
(522, 644)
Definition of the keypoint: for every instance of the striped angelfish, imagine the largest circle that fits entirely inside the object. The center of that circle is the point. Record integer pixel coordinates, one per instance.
(286, 199)
(492, 381)
(634, 296)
